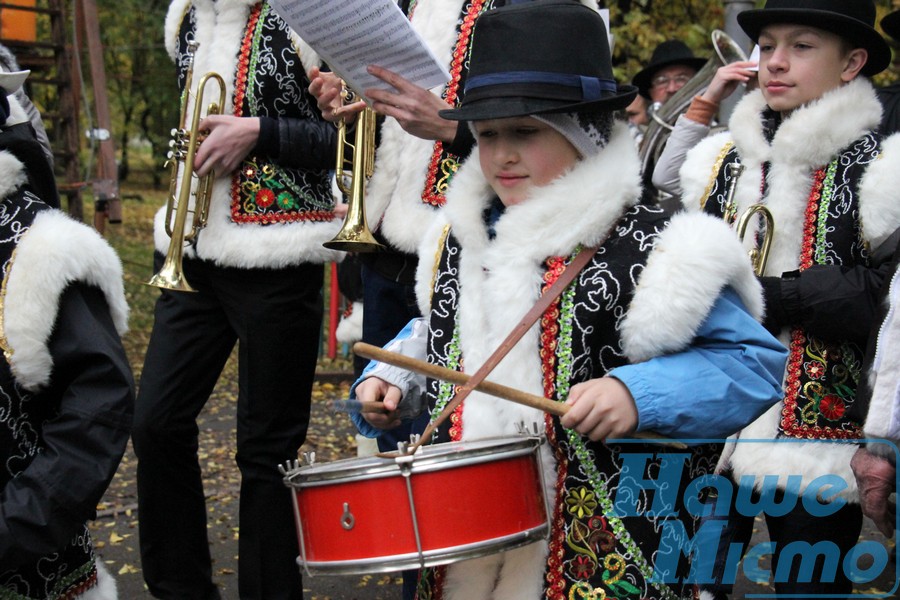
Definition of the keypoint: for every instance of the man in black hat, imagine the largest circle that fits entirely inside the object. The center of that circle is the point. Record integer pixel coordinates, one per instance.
(806, 145)
(556, 172)
(671, 66)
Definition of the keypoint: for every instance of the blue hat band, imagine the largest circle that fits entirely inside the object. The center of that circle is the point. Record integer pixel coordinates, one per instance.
(592, 88)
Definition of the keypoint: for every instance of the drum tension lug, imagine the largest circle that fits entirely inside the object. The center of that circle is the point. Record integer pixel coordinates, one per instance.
(309, 458)
(288, 467)
(522, 429)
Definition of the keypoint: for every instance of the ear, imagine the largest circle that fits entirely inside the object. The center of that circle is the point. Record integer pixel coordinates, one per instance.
(855, 61)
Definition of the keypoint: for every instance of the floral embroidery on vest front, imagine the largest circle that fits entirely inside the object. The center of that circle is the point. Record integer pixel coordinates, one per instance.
(262, 192)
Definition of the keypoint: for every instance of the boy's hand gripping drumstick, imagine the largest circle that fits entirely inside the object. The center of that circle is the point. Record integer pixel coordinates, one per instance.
(494, 389)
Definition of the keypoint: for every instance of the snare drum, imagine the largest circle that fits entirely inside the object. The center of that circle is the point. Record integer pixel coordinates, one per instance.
(445, 503)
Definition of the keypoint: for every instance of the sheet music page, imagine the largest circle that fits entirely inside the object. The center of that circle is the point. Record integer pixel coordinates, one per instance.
(349, 35)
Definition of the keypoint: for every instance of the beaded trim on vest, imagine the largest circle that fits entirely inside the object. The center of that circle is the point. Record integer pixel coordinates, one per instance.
(443, 164)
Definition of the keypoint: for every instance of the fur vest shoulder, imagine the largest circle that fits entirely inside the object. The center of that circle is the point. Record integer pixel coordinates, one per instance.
(54, 252)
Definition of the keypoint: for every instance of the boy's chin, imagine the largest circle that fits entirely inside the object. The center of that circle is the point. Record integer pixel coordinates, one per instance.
(783, 105)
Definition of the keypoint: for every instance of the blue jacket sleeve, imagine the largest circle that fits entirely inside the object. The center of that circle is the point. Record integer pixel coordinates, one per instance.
(729, 375)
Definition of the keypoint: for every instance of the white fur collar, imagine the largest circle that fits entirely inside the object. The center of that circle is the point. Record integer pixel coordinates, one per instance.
(53, 253)
(578, 208)
(807, 140)
(14, 175)
(812, 134)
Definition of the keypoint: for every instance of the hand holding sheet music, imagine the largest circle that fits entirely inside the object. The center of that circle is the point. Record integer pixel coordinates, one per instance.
(350, 35)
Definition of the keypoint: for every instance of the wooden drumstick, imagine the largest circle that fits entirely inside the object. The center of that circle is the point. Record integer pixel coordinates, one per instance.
(494, 389)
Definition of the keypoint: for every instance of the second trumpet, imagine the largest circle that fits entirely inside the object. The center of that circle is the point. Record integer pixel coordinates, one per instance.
(184, 143)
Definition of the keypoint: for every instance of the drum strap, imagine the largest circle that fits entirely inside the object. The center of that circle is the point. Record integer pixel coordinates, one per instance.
(544, 302)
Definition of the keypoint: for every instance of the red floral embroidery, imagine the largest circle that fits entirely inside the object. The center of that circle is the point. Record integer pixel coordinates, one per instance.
(265, 198)
(789, 422)
(832, 407)
(814, 369)
(583, 567)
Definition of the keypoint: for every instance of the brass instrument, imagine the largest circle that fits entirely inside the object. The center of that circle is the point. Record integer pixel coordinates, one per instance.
(183, 146)
(355, 235)
(663, 116)
(758, 256)
(733, 171)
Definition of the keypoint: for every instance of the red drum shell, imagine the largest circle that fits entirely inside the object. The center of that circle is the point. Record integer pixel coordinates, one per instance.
(466, 499)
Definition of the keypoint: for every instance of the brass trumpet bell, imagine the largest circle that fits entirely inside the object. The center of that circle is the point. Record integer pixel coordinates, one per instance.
(355, 235)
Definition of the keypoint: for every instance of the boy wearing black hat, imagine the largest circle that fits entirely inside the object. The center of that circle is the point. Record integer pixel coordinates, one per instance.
(806, 146)
(649, 336)
(66, 389)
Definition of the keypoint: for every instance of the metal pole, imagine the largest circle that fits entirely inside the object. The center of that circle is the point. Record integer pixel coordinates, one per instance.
(732, 8)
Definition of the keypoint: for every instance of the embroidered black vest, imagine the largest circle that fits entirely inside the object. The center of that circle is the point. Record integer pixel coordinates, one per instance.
(595, 549)
(269, 81)
(822, 375)
(71, 571)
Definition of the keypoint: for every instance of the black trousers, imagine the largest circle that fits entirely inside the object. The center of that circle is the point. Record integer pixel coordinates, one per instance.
(275, 316)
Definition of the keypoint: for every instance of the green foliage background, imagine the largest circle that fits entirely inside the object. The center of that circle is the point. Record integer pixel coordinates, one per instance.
(144, 99)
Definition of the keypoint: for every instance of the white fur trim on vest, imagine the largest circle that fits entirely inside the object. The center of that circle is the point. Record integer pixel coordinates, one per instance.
(349, 330)
(394, 193)
(880, 213)
(805, 141)
(55, 252)
(14, 175)
(693, 260)
(219, 30)
(105, 588)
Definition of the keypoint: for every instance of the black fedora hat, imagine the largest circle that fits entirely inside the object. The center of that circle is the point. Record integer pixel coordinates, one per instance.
(523, 63)
(668, 53)
(853, 20)
(891, 24)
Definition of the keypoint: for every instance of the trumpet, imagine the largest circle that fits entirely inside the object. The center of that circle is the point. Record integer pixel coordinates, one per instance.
(183, 146)
(758, 256)
(355, 235)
